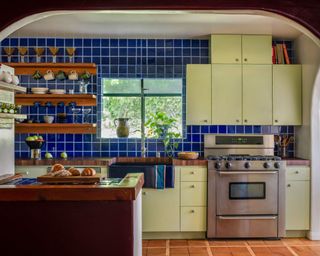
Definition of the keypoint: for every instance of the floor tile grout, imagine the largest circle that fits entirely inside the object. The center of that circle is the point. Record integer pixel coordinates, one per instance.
(208, 248)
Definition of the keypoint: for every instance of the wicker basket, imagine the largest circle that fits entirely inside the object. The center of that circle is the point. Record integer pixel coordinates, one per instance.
(188, 155)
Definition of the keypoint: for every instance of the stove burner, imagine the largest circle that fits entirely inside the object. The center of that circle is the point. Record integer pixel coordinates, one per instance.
(243, 158)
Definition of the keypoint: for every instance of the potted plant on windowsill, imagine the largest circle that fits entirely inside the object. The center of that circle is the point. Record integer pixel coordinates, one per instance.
(161, 126)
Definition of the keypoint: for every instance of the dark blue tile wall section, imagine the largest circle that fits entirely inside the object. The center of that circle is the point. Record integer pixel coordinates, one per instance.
(125, 58)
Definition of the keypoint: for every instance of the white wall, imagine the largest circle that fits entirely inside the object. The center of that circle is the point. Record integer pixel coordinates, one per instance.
(308, 135)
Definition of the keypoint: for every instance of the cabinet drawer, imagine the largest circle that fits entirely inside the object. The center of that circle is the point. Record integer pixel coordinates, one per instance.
(193, 173)
(298, 173)
(193, 193)
(193, 218)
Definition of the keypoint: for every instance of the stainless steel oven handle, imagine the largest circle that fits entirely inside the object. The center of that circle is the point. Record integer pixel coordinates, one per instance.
(248, 218)
(249, 172)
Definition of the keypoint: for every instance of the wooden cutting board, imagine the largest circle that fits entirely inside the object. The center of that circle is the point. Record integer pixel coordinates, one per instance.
(71, 179)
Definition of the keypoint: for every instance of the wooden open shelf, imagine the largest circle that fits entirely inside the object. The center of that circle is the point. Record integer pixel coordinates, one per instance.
(56, 128)
(12, 87)
(30, 68)
(79, 99)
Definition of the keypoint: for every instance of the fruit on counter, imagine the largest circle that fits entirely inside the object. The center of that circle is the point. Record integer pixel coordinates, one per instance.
(34, 138)
(30, 138)
(48, 155)
(64, 155)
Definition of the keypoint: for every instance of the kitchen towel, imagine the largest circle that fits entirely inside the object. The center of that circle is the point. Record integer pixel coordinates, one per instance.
(160, 176)
(169, 176)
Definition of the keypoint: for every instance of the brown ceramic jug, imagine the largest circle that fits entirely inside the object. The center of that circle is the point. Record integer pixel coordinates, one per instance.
(122, 127)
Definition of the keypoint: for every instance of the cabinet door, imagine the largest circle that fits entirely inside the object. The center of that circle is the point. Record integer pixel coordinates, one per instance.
(287, 94)
(297, 205)
(226, 49)
(193, 219)
(226, 94)
(256, 49)
(161, 208)
(198, 94)
(194, 193)
(257, 94)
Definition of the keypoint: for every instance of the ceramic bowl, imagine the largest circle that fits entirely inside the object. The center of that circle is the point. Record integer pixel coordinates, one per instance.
(48, 119)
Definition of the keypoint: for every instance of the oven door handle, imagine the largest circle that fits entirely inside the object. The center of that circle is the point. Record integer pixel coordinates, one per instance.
(248, 218)
(248, 172)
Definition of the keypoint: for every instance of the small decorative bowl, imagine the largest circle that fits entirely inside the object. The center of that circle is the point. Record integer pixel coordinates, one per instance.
(188, 155)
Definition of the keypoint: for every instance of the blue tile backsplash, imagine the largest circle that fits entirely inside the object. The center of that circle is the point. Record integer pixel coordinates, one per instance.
(122, 58)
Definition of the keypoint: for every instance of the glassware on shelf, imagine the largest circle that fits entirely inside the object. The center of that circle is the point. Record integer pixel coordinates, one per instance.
(9, 51)
(70, 51)
(83, 87)
(54, 51)
(86, 112)
(39, 51)
(75, 115)
(22, 51)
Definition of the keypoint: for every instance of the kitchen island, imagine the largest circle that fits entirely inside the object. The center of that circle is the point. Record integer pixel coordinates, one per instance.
(101, 219)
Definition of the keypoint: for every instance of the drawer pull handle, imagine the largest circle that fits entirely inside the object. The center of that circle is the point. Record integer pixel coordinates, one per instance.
(289, 185)
(276, 121)
(193, 186)
(192, 211)
(192, 173)
(245, 59)
(237, 59)
(205, 121)
(144, 193)
(297, 172)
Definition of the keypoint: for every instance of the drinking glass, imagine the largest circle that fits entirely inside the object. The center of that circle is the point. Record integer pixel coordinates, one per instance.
(70, 51)
(83, 88)
(22, 51)
(54, 51)
(39, 51)
(86, 112)
(75, 115)
(9, 51)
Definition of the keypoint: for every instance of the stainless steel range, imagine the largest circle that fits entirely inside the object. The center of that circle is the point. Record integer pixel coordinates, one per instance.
(246, 187)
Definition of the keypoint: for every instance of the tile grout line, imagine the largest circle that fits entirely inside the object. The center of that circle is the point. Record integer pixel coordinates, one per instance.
(249, 249)
(290, 249)
(167, 247)
(208, 248)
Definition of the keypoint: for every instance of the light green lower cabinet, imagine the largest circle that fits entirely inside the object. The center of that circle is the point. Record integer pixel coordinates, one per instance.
(298, 198)
(193, 219)
(193, 193)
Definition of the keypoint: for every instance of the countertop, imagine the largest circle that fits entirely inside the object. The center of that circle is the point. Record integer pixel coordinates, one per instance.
(126, 190)
(91, 161)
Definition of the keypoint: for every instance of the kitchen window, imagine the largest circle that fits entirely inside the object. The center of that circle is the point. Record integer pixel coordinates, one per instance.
(137, 99)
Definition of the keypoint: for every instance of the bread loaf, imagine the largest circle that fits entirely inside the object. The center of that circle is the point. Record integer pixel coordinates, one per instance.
(88, 172)
(57, 167)
(62, 173)
(74, 171)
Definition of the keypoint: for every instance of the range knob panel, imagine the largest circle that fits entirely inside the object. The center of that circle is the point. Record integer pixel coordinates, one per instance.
(228, 165)
(217, 165)
(266, 165)
(277, 165)
(247, 165)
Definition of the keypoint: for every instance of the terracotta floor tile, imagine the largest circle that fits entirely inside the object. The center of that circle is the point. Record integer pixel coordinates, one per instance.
(230, 251)
(236, 242)
(145, 243)
(303, 251)
(181, 250)
(315, 249)
(271, 251)
(309, 242)
(217, 242)
(156, 252)
(144, 251)
(198, 251)
(292, 241)
(157, 243)
(197, 243)
(178, 243)
(273, 242)
(255, 242)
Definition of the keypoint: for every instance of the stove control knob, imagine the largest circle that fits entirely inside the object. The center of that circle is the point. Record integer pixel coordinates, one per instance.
(277, 165)
(247, 165)
(228, 165)
(266, 165)
(217, 165)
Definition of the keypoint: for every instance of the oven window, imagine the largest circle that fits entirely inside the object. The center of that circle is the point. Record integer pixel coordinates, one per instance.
(247, 190)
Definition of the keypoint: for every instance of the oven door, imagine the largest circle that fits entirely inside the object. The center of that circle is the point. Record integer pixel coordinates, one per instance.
(247, 192)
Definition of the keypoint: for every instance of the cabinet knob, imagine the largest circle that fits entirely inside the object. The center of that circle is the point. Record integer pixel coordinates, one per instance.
(276, 121)
(192, 211)
(296, 172)
(237, 120)
(289, 185)
(144, 193)
(192, 186)
(192, 173)
(245, 59)
(237, 59)
(205, 121)
(245, 120)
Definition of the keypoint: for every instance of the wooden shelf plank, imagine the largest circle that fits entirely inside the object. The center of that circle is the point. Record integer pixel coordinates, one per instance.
(80, 99)
(12, 87)
(15, 116)
(56, 128)
(30, 68)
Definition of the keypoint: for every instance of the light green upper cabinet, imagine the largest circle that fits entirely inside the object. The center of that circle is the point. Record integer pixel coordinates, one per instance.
(226, 49)
(257, 94)
(241, 49)
(198, 98)
(226, 94)
(256, 49)
(287, 95)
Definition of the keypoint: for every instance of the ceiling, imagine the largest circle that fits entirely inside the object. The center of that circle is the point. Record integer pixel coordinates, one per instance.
(150, 24)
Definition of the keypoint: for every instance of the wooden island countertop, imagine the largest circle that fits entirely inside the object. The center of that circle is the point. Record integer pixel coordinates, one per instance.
(127, 189)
